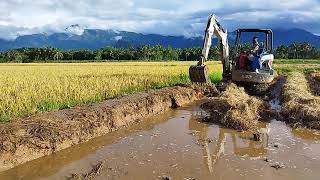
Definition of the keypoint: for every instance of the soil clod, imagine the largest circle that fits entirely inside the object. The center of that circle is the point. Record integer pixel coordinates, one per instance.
(278, 166)
(90, 175)
(166, 178)
(267, 160)
(257, 137)
(190, 178)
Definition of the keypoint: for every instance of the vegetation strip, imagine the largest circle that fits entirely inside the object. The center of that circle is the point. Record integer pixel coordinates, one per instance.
(301, 107)
(146, 52)
(39, 135)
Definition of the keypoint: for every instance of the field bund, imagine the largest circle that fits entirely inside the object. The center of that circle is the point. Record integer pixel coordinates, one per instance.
(33, 137)
(301, 103)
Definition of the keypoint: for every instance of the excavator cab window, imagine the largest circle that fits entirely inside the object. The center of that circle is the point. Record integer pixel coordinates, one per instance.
(246, 50)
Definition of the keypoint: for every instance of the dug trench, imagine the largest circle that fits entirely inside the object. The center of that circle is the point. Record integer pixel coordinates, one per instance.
(29, 138)
(44, 134)
(178, 144)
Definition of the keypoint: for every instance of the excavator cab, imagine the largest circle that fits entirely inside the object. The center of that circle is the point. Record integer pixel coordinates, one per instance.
(253, 67)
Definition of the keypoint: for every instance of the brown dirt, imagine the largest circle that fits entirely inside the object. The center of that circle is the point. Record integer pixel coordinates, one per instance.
(301, 107)
(236, 109)
(30, 138)
(314, 80)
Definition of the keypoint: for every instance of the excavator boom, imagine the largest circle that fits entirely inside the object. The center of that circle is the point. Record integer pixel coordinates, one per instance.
(199, 73)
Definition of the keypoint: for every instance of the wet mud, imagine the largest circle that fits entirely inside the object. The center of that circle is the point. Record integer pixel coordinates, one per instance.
(33, 137)
(178, 145)
(275, 98)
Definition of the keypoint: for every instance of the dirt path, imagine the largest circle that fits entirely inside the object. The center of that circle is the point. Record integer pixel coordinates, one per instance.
(30, 138)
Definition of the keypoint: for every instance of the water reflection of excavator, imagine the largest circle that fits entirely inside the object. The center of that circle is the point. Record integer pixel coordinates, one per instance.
(244, 147)
(251, 67)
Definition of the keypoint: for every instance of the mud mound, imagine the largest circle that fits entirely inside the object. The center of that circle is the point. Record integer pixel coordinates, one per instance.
(236, 109)
(26, 139)
(301, 107)
(314, 81)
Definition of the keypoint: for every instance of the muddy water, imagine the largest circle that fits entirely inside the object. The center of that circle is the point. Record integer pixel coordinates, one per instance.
(275, 94)
(177, 145)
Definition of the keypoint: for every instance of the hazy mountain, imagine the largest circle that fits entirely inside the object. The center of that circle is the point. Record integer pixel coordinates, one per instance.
(295, 35)
(94, 39)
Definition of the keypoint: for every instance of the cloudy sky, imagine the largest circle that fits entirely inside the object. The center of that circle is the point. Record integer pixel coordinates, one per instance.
(168, 17)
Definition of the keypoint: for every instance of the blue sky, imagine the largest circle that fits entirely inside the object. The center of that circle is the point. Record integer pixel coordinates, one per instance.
(167, 17)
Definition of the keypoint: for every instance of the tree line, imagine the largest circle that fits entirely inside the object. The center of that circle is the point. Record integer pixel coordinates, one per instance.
(147, 53)
(297, 51)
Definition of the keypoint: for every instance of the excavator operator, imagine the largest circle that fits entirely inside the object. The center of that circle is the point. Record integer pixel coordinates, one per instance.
(254, 64)
(255, 45)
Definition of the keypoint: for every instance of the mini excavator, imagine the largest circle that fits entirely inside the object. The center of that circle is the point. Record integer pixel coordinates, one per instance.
(248, 67)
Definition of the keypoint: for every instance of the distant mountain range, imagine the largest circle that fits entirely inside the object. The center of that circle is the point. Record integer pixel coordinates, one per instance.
(95, 39)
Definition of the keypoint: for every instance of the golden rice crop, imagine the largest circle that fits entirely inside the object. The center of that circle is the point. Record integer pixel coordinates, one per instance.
(30, 88)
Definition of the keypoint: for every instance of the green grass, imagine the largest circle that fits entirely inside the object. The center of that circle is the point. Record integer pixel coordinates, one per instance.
(216, 77)
(297, 61)
(297, 67)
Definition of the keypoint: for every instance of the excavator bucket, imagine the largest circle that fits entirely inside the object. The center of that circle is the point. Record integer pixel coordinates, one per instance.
(199, 74)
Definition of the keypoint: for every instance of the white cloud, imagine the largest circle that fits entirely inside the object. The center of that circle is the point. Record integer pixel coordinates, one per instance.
(117, 38)
(75, 29)
(169, 17)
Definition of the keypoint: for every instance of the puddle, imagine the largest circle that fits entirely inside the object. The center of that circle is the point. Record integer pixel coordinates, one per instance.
(177, 145)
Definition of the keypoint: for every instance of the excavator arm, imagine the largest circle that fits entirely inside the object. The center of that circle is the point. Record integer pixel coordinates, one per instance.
(214, 27)
(199, 73)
